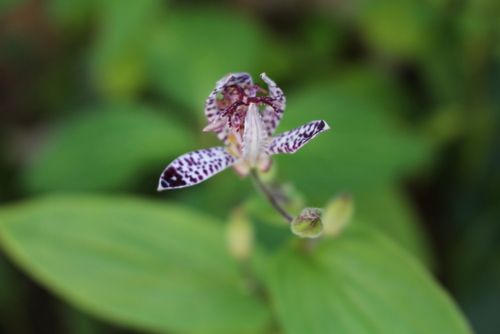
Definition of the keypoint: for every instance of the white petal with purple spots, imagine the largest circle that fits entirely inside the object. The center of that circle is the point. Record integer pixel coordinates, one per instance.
(195, 167)
(293, 140)
(271, 116)
(213, 112)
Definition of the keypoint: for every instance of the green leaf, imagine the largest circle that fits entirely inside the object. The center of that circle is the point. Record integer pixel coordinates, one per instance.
(359, 283)
(119, 55)
(230, 189)
(387, 210)
(157, 267)
(414, 21)
(106, 148)
(196, 48)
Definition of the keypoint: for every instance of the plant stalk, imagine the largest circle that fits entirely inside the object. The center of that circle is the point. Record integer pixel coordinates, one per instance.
(269, 196)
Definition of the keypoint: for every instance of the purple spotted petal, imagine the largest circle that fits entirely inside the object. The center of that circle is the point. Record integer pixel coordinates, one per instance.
(214, 112)
(291, 141)
(194, 167)
(271, 116)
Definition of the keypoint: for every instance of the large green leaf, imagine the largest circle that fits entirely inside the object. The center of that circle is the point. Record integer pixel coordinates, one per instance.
(153, 266)
(106, 148)
(196, 48)
(359, 283)
(388, 210)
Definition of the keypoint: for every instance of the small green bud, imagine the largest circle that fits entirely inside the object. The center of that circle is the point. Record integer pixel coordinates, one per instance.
(308, 224)
(240, 235)
(338, 214)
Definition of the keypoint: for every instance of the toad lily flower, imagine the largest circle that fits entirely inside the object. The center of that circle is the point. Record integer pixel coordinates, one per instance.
(244, 116)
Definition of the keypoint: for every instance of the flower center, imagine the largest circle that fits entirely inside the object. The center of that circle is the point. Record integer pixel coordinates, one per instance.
(236, 99)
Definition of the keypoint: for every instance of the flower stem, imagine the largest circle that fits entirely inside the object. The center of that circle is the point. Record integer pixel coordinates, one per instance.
(269, 195)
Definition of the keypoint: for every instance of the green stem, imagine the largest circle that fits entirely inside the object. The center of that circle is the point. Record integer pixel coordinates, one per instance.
(270, 196)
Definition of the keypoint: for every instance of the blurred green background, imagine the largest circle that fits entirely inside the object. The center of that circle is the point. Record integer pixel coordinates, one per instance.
(97, 96)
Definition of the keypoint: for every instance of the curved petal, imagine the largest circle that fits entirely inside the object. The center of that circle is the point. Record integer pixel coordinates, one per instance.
(271, 116)
(195, 167)
(291, 141)
(213, 112)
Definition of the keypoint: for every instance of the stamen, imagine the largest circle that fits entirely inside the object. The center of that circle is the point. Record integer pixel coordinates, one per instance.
(242, 99)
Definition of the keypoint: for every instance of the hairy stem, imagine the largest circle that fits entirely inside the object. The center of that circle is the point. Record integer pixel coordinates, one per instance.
(270, 196)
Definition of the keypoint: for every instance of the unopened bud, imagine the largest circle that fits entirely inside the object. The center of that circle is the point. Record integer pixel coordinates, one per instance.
(338, 214)
(239, 234)
(308, 224)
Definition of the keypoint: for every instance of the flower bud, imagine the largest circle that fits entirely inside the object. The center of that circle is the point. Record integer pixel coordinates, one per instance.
(239, 234)
(338, 213)
(308, 224)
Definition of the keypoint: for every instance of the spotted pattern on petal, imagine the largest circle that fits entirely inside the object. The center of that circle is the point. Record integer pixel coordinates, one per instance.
(194, 167)
(272, 116)
(212, 111)
(291, 141)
